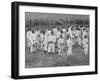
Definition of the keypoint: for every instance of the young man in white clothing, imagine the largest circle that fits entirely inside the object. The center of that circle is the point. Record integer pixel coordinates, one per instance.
(32, 40)
(51, 43)
(69, 45)
(61, 43)
(85, 45)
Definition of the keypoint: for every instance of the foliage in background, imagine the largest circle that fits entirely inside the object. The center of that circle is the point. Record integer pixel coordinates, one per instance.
(38, 22)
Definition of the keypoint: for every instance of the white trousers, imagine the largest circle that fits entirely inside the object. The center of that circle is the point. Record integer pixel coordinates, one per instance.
(86, 49)
(60, 50)
(31, 47)
(45, 47)
(51, 48)
(69, 52)
(79, 41)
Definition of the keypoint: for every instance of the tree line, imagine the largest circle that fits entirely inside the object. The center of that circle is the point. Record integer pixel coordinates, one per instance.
(54, 21)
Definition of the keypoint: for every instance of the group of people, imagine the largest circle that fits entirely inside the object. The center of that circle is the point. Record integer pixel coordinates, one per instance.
(57, 39)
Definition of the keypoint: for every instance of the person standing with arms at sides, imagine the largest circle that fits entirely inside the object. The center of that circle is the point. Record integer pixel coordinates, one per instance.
(46, 39)
(60, 45)
(69, 45)
(85, 45)
(31, 36)
(51, 43)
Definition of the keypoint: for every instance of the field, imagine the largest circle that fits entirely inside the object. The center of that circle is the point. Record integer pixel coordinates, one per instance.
(43, 21)
(39, 59)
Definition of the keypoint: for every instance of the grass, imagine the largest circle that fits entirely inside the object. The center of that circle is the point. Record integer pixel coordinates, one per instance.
(39, 59)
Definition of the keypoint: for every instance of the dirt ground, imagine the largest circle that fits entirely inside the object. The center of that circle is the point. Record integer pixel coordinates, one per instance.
(40, 59)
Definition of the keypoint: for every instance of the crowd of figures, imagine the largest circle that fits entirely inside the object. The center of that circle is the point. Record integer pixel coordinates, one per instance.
(54, 40)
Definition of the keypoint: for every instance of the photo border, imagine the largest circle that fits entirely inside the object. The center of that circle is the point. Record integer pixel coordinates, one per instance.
(15, 39)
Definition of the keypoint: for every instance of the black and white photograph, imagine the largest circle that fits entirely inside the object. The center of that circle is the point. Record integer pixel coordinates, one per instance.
(50, 40)
(53, 40)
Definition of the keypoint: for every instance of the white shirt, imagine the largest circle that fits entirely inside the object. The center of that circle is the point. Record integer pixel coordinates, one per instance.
(47, 33)
(60, 41)
(84, 34)
(85, 42)
(41, 36)
(52, 38)
(31, 37)
(78, 33)
(69, 42)
(58, 34)
(64, 30)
